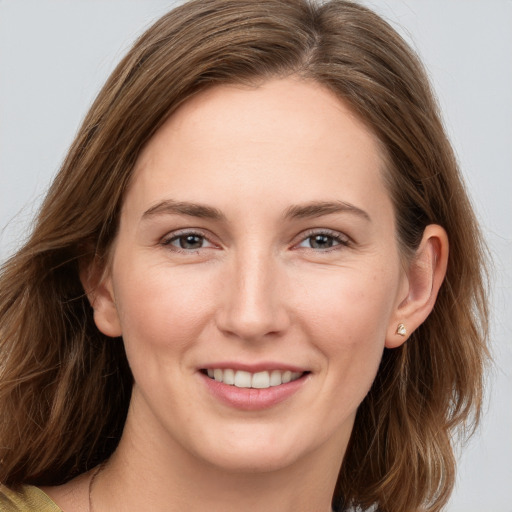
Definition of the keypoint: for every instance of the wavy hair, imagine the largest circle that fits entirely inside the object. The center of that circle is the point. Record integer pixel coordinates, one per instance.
(65, 387)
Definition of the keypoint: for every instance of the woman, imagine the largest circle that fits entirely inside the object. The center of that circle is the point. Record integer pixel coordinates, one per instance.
(250, 286)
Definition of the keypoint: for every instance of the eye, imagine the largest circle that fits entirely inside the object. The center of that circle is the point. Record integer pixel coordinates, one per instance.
(323, 241)
(188, 241)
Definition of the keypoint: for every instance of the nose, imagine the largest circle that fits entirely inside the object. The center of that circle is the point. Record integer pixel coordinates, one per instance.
(254, 305)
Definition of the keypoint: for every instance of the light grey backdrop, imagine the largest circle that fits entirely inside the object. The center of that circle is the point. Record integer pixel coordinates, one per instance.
(55, 54)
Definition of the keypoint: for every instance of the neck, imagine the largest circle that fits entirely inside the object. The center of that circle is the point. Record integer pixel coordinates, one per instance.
(144, 475)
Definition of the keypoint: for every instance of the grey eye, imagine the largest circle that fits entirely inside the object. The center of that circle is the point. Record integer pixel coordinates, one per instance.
(189, 241)
(319, 241)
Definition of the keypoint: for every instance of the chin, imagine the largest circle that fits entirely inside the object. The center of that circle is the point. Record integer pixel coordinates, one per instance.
(258, 452)
(254, 461)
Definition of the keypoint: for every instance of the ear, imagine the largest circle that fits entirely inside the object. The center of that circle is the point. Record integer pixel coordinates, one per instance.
(424, 276)
(97, 283)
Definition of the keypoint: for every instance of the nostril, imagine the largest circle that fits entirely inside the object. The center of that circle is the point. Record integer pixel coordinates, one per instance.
(253, 325)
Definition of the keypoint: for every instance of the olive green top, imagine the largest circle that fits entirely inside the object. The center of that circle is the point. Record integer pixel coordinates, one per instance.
(26, 498)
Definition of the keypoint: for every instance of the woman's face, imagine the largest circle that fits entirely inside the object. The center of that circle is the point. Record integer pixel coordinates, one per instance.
(256, 245)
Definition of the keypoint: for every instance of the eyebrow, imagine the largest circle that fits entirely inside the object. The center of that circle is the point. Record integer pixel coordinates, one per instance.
(171, 207)
(320, 208)
(309, 210)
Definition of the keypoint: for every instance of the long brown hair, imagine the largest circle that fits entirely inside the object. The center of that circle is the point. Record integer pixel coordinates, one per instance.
(65, 387)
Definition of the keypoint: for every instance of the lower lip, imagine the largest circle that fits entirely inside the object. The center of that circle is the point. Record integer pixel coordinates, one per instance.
(251, 399)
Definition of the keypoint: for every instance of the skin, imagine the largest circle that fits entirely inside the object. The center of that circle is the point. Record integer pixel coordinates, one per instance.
(256, 286)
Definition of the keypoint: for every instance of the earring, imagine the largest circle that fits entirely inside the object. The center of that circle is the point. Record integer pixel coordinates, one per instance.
(401, 330)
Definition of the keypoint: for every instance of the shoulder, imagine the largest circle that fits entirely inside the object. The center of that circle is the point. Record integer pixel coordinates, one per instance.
(26, 498)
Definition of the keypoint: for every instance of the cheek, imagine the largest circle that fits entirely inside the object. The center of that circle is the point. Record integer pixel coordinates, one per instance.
(347, 321)
(160, 307)
(348, 305)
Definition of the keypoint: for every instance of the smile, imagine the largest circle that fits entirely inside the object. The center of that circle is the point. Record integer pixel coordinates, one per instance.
(258, 380)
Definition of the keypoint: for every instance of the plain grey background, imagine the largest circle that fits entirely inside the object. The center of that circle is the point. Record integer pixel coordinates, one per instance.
(55, 55)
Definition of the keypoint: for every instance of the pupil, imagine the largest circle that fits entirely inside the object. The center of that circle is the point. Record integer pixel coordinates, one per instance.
(321, 241)
(191, 242)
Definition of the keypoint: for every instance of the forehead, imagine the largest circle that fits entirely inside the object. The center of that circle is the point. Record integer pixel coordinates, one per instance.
(286, 135)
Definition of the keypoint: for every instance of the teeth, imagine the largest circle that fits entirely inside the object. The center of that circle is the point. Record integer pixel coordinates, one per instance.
(259, 380)
(276, 378)
(242, 379)
(228, 377)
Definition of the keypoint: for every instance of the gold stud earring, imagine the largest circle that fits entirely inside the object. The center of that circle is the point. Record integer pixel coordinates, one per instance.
(401, 330)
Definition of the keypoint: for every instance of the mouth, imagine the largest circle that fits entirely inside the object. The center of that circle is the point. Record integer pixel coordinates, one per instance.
(258, 380)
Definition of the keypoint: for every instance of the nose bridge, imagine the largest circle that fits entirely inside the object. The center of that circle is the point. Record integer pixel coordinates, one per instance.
(255, 303)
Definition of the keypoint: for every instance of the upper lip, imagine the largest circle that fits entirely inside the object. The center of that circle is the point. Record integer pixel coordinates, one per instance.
(254, 367)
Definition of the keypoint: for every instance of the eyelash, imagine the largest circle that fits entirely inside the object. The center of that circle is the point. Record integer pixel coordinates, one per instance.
(339, 239)
(167, 242)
